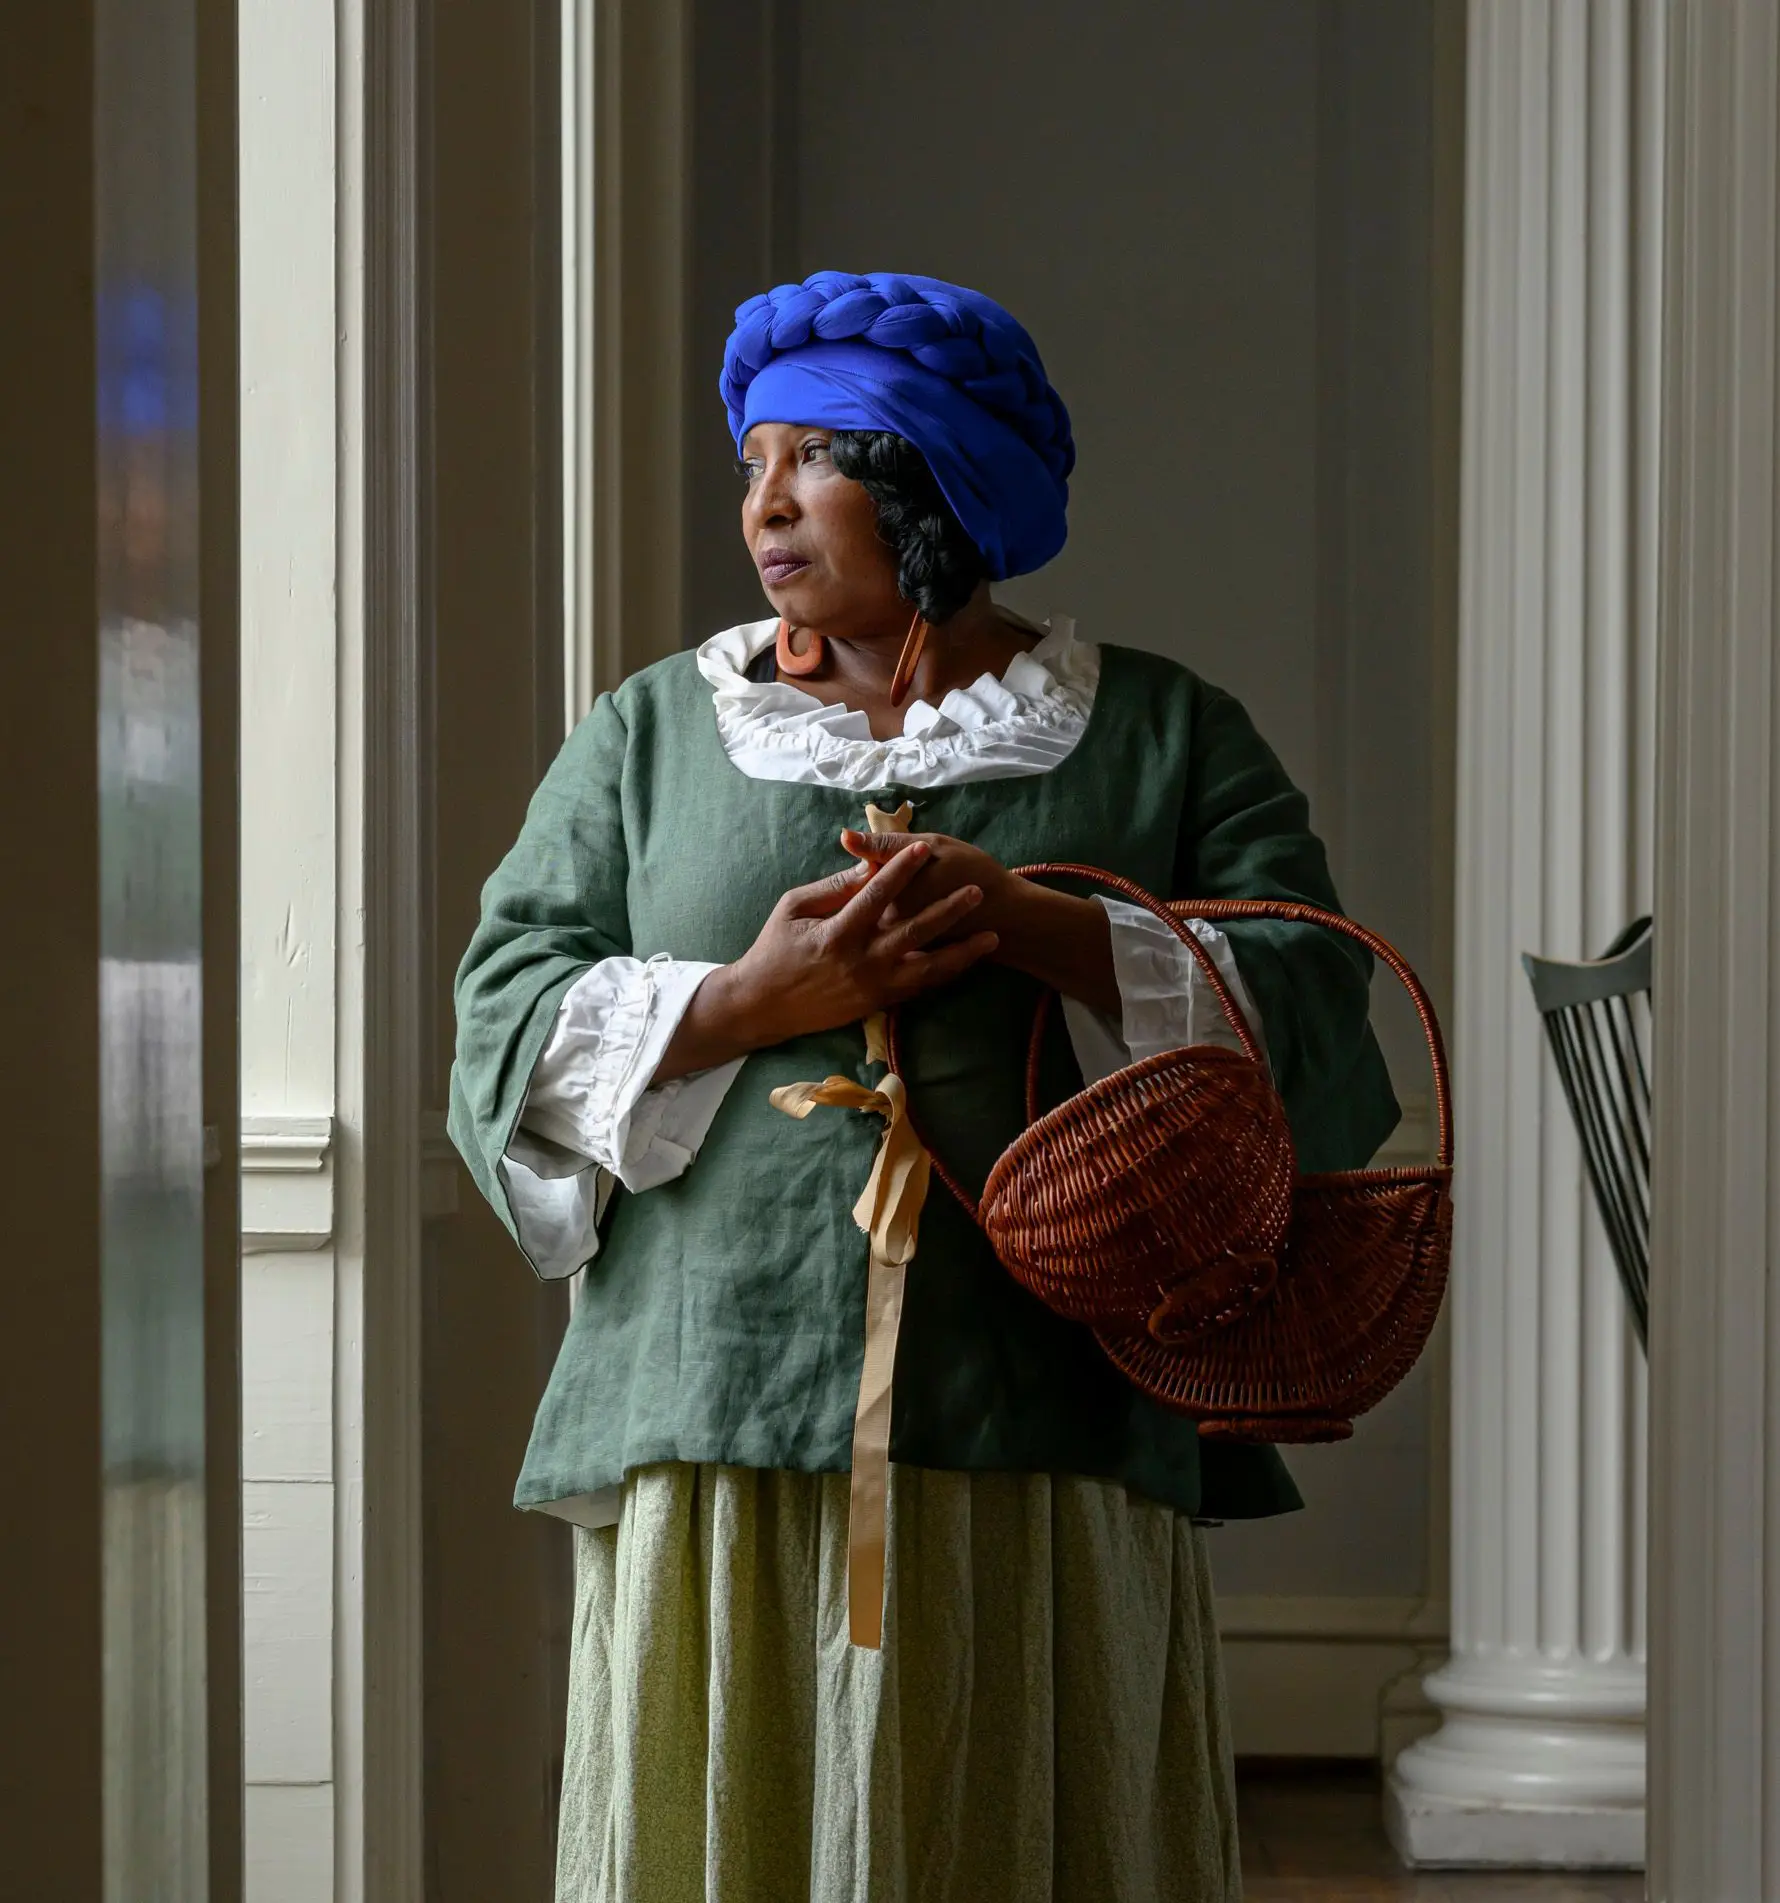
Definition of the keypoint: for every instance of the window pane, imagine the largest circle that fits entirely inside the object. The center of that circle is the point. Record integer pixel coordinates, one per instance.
(150, 974)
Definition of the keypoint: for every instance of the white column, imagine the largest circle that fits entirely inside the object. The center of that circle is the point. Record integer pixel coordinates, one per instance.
(1539, 1758)
(1715, 1271)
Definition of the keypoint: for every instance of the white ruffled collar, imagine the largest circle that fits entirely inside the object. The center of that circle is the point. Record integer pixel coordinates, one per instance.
(1026, 722)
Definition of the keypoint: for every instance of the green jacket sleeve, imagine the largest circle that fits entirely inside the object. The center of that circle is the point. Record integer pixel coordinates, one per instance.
(555, 906)
(1246, 835)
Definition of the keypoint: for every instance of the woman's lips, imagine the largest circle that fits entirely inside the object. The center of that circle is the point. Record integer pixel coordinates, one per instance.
(776, 570)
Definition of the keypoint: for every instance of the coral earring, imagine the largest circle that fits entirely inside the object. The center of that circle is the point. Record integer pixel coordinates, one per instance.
(908, 661)
(790, 661)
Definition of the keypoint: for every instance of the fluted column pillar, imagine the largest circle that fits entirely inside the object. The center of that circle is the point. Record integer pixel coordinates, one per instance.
(1539, 1758)
(1715, 1249)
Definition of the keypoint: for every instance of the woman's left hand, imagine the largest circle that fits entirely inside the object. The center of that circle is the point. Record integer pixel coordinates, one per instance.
(952, 864)
(1060, 940)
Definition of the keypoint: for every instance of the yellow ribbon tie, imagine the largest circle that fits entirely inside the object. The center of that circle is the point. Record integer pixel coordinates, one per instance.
(877, 1039)
(889, 1211)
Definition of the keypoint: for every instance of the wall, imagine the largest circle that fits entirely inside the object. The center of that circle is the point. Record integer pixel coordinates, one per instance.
(1218, 223)
(289, 760)
(742, 212)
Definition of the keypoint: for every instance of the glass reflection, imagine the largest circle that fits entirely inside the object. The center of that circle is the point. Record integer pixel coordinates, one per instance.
(150, 981)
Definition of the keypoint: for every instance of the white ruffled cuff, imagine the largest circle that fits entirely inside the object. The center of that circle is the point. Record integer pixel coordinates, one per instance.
(590, 1115)
(558, 1217)
(1165, 999)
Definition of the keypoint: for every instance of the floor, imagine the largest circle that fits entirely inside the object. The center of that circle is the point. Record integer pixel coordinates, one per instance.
(1317, 1837)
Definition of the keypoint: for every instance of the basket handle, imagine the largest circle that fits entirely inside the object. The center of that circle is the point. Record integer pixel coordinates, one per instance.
(1215, 978)
(1214, 911)
(1292, 912)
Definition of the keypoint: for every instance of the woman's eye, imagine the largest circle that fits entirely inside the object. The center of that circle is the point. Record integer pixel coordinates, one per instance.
(749, 471)
(815, 452)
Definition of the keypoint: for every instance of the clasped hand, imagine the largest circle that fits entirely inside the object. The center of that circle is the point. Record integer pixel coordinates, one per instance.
(885, 929)
(869, 937)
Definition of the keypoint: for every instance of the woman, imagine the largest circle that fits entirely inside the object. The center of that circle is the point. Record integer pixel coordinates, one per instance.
(694, 922)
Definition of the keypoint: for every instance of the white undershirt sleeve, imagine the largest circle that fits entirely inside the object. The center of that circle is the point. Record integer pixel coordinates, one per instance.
(1165, 998)
(591, 1118)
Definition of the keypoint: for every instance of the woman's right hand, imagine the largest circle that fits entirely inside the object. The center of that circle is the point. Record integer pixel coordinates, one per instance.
(824, 958)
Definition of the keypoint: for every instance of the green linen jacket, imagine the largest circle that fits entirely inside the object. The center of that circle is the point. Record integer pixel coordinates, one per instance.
(723, 1318)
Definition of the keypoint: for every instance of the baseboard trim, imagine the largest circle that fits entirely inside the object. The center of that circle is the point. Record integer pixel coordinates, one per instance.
(1338, 1620)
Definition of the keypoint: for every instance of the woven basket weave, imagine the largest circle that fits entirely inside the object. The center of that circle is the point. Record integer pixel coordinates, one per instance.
(1162, 1206)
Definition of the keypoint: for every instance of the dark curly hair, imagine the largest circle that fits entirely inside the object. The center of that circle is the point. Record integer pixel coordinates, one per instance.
(938, 566)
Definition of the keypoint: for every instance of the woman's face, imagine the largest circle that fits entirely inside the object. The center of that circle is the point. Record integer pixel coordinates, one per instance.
(813, 534)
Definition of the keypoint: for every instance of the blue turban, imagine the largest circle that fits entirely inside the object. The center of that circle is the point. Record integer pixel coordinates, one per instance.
(944, 367)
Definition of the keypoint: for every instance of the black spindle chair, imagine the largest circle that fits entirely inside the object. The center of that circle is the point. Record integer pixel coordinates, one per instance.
(1597, 1016)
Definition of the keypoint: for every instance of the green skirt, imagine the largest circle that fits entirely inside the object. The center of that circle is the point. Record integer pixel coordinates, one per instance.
(1045, 1723)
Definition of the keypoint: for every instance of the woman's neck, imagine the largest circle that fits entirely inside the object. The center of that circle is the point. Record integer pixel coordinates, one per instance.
(858, 670)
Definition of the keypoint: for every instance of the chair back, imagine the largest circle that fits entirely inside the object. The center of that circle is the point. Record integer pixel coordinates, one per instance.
(1597, 1017)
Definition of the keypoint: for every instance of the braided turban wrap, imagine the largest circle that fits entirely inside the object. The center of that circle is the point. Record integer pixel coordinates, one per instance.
(944, 367)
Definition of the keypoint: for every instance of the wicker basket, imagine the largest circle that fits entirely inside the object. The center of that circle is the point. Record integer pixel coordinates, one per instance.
(1162, 1206)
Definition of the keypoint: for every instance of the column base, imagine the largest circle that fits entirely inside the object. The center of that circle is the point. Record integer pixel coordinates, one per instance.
(1538, 1764)
(1434, 1832)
